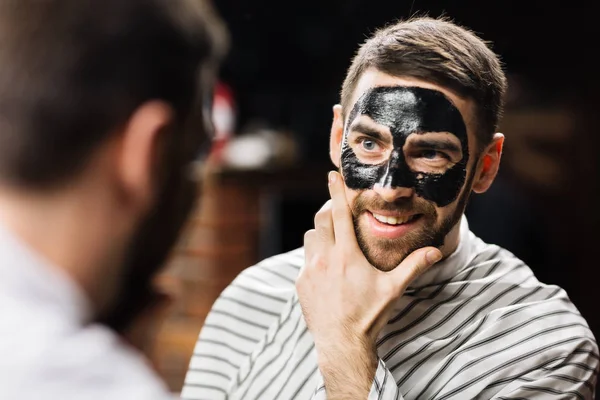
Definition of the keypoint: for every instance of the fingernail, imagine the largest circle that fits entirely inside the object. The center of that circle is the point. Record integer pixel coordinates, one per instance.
(433, 256)
(332, 177)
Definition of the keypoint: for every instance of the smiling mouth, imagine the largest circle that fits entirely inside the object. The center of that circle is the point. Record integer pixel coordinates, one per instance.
(395, 221)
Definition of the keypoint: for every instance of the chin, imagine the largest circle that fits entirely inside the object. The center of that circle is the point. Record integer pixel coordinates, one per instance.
(387, 263)
(387, 254)
(385, 267)
(384, 256)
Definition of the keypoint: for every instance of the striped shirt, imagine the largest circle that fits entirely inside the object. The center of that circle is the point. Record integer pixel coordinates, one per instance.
(476, 325)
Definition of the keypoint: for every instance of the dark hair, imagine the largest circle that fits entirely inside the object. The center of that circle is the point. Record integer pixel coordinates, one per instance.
(73, 72)
(440, 52)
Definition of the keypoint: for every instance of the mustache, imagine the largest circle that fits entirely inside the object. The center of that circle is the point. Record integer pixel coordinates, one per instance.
(412, 205)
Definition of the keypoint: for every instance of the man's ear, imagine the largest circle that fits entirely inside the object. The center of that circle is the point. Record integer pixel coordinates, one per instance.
(141, 149)
(488, 165)
(336, 136)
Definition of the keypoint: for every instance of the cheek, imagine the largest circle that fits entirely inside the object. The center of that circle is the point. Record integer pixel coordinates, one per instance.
(443, 213)
(442, 189)
(450, 209)
(358, 176)
(351, 196)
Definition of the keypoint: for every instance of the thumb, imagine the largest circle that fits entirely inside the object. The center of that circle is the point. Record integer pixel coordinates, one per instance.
(414, 265)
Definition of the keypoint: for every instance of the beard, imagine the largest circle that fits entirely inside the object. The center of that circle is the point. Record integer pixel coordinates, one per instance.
(150, 246)
(177, 191)
(386, 254)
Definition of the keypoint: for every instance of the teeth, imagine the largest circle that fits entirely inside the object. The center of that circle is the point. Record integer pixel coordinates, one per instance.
(392, 220)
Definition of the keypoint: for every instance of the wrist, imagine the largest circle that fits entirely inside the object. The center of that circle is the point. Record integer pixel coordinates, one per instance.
(348, 367)
(334, 350)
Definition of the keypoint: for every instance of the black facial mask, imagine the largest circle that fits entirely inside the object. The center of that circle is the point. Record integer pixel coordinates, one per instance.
(406, 111)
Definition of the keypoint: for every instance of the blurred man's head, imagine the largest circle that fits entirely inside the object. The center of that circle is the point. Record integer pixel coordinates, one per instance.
(109, 101)
(415, 134)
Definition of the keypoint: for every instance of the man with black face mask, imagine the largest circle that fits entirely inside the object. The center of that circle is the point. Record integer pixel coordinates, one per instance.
(104, 109)
(360, 312)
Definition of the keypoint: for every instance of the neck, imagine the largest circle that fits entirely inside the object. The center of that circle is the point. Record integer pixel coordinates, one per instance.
(70, 229)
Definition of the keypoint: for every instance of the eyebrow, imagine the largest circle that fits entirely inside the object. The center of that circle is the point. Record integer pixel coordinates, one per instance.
(368, 130)
(436, 145)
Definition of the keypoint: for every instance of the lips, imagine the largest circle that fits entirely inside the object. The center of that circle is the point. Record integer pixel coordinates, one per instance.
(390, 226)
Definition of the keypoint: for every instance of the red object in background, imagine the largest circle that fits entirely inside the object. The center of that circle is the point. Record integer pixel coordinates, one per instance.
(224, 118)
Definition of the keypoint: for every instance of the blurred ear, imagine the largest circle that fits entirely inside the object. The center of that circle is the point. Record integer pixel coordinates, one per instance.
(489, 164)
(336, 136)
(141, 147)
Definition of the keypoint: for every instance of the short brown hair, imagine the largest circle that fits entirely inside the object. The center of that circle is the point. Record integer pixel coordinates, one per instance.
(440, 52)
(73, 71)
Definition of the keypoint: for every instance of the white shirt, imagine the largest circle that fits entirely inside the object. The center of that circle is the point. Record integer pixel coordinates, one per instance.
(48, 349)
(476, 325)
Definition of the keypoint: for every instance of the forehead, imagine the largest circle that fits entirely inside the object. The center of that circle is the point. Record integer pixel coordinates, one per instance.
(374, 78)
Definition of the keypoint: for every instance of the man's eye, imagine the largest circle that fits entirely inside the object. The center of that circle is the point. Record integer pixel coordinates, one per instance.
(432, 154)
(369, 145)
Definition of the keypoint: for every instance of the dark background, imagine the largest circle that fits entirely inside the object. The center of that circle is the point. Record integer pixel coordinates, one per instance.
(287, 63)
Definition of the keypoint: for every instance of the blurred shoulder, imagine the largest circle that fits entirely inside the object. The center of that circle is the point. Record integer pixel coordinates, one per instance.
(90, 362)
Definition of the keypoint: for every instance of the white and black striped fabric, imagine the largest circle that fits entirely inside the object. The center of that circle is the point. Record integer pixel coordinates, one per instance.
(476, 325)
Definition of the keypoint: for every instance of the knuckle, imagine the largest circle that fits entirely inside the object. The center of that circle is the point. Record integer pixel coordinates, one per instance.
(322, 217)
(309, 236)
(326, 206)
(323, 234)
(319, 261)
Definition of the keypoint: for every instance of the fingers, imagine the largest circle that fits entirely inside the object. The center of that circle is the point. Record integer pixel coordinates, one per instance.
(343, 226)
(414, 265)
(324, 225)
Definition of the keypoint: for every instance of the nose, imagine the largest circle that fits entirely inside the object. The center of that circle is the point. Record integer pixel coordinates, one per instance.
(391, 194)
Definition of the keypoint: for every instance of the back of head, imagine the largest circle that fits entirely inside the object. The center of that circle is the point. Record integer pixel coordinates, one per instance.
(74, 75)
(73, 71)
(441, 52)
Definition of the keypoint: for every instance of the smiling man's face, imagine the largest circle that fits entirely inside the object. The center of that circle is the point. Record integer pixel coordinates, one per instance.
(404, 151)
